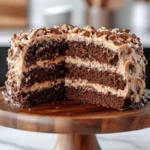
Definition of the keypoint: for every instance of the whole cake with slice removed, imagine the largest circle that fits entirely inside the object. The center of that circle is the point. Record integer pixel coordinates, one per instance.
(104, 67)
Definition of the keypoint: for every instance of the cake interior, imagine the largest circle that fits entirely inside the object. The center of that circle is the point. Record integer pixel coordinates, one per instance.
(72, 70)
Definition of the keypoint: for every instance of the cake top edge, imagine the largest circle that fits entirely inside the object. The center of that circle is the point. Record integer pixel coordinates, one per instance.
(117, 36)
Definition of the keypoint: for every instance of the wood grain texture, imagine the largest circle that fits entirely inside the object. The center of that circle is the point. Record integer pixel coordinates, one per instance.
(76, 142)
(72, 118)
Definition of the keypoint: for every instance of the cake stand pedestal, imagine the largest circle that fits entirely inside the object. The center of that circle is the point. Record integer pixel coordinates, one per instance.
(76, 123)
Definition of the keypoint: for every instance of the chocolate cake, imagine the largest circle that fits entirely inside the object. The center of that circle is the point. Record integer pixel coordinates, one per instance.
(104, 67)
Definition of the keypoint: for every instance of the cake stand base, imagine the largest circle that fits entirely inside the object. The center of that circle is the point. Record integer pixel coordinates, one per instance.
(77, 142)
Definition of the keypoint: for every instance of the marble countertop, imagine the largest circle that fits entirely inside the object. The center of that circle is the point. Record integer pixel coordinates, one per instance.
(12, 139)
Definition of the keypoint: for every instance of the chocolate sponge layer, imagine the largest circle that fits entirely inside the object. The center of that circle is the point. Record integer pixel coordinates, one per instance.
(45, 50)
(43, 95)
(48, 50)
(93, 97)
(41, 74)
(107, 78)
(92, 52)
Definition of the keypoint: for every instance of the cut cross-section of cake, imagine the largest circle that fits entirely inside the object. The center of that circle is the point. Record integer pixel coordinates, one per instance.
(104, 67)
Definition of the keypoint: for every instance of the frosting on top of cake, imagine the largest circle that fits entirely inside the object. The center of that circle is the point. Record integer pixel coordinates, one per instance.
(117, 36)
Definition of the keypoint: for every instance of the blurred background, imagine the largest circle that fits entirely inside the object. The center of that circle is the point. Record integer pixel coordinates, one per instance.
(17, 15)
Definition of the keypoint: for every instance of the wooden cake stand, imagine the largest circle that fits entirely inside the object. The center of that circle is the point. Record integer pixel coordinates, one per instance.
(76, 123)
